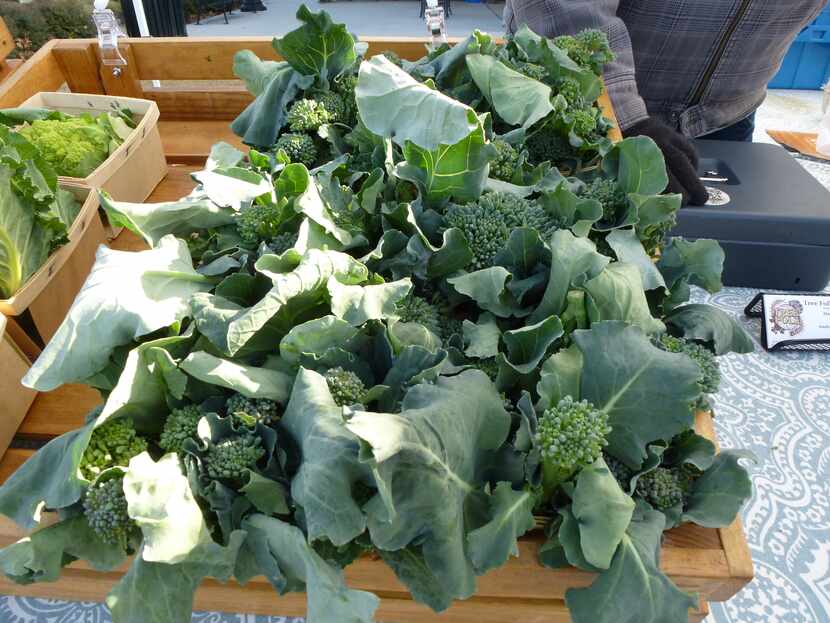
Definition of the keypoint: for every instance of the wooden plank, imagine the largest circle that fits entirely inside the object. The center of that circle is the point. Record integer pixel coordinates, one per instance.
(80, 65)
(200, 105)
(189, 142)
(16, 398)
(56, 412)
(42, 72)
(604, 101)
(6, 41)
(123, 80)
(802, 142)
(13, 459)
(8, 67)
(22, 339)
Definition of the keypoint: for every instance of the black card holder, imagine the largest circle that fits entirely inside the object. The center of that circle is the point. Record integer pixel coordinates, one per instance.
(788, 310)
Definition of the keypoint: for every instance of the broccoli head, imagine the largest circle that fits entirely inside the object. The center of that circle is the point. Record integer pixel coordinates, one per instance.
(230, 458)
(584, 123)
(74, 147)
(532, 70)
(105, 509)
(413, 308)
(621, 472)
(549, 145)
(663, 487)
(571, 91)
(611, 196)
(112, 444)
(589, 49)
(307, 115)
(257, 223)
(298, 147)
(710, 375)
(345, 386)
(252, 411)
(333, 105)
(570, 436)
(181, 424)
(507, 159)
(345, 86)
(280, 243)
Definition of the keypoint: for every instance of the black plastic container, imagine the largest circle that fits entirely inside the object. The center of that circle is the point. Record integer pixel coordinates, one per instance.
(775, 229)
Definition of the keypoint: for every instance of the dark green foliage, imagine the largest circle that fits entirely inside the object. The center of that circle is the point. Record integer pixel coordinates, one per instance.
(105, 508)
(345, 386)
(549, 145)
(345, 86)
(490, 367)
(663, 487)
(570, 436)
(252, 411)
(33, 24)
(181, 424)
(704, 358)
(230, 458)
(257, 223)
(504, 166)
(620, 470)
(613, 199)
(413, 308)
(112, 444)
(298, 147)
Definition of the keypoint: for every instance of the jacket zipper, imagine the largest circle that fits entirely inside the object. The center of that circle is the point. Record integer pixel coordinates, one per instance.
(716, 59)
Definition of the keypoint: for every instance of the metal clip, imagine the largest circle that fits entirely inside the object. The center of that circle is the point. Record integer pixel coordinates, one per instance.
(436, 25)
(108, 33)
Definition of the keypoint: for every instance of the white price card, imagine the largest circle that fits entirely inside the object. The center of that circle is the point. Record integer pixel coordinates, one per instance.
(793, 321)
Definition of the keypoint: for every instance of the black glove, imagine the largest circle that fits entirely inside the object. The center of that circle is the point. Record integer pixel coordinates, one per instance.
(681, 159)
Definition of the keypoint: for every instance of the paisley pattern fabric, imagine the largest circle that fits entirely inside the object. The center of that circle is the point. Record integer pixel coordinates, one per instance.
(778, 406)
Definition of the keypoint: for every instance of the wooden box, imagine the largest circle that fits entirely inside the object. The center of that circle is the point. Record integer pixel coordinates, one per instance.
(16, 399)
(48, 294)
(195, 113)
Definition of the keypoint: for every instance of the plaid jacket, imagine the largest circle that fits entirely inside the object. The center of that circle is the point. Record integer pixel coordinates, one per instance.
(700, 65)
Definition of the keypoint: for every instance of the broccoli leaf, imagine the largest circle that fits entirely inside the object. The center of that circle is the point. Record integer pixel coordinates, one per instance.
(710, 324)
(127, 295)
(575, 213)
(315, 337)
(617, 294)
(412, 570)
(250, 381)
(717, 496)
(626, 376)
(628, 248)
(424, 459)
(290, 563)
(633, 589)
(638, 165)
(560, 376)
(517, 99)
(481, 338)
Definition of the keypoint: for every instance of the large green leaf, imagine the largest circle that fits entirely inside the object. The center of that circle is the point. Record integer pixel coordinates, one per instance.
(626, 376)
(481, 338)
(393, 104)
(424, 459)
(718, 495)
(617, 294)
(458, 170)
(517, 99)
(315, 337)
(41, 556)
(602, 511)
(628, 248)
(560, 376)
(250, 381)
(319, 47)
(526, 346)
(158, 592)
(638, 165)
(698, 263)
(569, 210)
(411, 568)
(127, 295)
(330, 467)
(290, 563)
(160, 501)
(357, 304)
(710, 324)
(510, 516)
(633, 589)
(487, 287)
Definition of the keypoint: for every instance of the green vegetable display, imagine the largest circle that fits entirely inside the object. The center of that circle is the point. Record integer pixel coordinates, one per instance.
(378, 346)
(74, 145)
(35, 213)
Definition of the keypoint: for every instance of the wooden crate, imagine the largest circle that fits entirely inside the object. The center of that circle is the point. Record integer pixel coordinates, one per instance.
(14, 362)
(48, 294)
(195, 114)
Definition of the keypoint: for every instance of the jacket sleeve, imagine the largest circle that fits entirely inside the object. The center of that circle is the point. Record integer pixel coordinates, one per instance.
(551, 18)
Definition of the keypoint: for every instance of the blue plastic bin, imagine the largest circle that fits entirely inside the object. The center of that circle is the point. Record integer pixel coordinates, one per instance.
(807, 64)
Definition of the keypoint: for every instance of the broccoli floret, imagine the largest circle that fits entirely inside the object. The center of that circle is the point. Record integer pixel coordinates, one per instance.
(532, 70)
(181, 424)
(307, 115)
(654, 236)
(280, 243)
(589, 49)
(577, 52)
(486, 225)
(230, 458)
(706, 361)
(489, 366)
(570, 436)
(257, 223)
(105, 509)
(663, 487)
(345, 86)
(413, 308)
(250, 411)
(333, 105)
(621, 472)
(571, 91)
(613, 199)
(112, 444)
(507, 159)
(549, 145)
(584, 123)
(345, 386)
(75, 146)
(298, 147)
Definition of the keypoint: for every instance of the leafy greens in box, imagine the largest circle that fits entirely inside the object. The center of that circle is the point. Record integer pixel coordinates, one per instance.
(35, 214)
(421, 312)
(75, 145)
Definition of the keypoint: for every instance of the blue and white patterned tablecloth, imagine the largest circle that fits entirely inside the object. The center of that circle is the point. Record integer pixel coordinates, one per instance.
(776, 405)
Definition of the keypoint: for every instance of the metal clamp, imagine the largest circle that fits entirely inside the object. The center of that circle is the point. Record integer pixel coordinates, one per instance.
(436, 24)
(108, 33)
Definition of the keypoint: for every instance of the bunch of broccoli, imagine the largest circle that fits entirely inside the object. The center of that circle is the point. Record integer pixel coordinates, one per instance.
(507, 159)
(252, 411)
(589, 49)
(231, 458)
(710, 375)
(112, 444)
(345, 386)
(105, 509)
(181, 424)
(414, 308)
(259, 222)
(298, 147)
(612, 198)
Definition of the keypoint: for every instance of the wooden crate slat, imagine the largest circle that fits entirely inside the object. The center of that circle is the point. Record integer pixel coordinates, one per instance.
(80, 64)
(61, 410)
(42, 72)
(6, 41)
(12, 459)
(189, 142)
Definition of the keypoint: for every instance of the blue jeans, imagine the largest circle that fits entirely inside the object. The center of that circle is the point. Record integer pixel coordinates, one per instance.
(741, 131)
